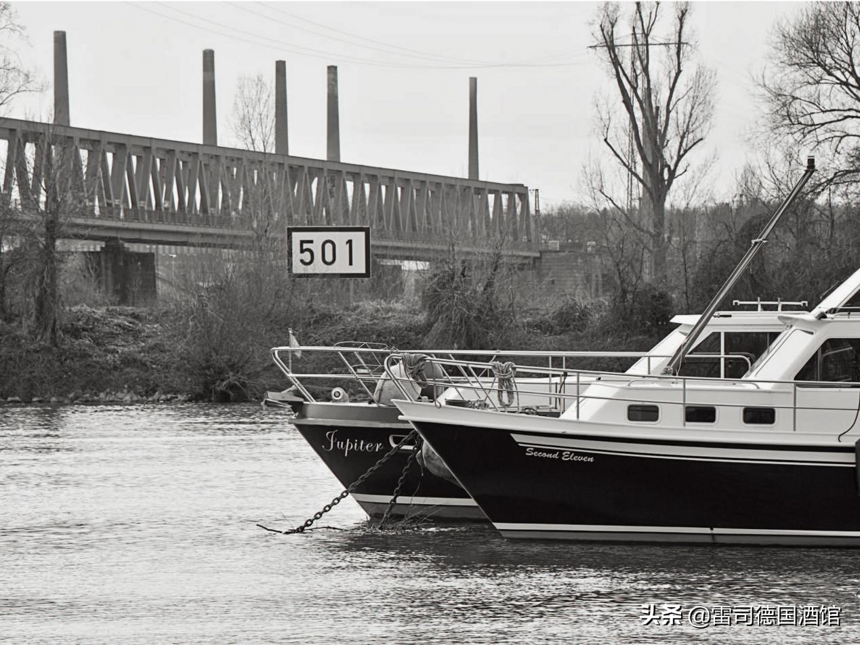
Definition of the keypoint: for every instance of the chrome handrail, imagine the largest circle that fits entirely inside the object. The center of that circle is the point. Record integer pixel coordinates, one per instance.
(380, 353)
(340, 353)
(550, 376)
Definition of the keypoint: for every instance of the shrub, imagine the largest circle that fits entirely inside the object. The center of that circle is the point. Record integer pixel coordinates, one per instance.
(470, 304)
(571, 315)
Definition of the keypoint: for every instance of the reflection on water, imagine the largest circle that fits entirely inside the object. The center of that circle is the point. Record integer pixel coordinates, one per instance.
(137, 524)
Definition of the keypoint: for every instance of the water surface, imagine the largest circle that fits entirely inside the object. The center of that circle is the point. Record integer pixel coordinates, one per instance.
(130, 524)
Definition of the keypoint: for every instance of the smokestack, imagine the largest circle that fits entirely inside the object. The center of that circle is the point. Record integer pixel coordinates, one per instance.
(210, 127)
(282, 136)
(333, 147)
(61, 80)
(473, 128)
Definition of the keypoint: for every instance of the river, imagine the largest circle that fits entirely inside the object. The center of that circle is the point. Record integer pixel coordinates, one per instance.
(137, 524)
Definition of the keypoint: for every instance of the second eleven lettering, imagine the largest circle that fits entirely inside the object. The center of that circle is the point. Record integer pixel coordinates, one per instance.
(560, 455)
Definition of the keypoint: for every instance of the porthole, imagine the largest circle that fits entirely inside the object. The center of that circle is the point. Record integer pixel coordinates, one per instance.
(649, 413)
(700, 414)
(760, 416)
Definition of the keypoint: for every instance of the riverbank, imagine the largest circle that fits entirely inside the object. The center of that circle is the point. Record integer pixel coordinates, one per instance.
(134, 355)
(109, 355)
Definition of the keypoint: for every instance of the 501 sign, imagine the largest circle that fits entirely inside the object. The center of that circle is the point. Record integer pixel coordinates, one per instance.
(336, 251)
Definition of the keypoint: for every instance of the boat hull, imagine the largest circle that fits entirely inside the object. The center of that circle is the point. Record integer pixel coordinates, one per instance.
(548, 485)
(351, 439)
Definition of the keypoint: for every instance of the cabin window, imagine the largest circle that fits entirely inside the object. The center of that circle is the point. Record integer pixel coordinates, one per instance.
(704, 359)
(853, 302)
(748, 344)
(643, 413)
(760, 416)
(700, 414)
(791, 341)
(836, 361)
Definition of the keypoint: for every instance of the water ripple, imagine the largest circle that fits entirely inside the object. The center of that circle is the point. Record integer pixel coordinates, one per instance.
(129, 524)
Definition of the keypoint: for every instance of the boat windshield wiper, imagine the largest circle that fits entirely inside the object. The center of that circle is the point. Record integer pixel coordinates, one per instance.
(674, 364)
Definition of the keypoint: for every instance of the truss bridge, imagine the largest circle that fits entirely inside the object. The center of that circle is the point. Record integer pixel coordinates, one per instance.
(142, 190)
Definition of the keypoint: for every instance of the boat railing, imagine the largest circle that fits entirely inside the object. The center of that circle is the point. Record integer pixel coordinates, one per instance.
(524, 389)
(363, 364)
(779, 304)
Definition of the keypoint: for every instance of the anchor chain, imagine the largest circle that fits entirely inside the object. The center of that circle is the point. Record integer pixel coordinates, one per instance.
(412, 456)
(358, 482)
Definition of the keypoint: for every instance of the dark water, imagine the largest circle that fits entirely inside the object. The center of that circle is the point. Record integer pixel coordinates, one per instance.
(137, 524)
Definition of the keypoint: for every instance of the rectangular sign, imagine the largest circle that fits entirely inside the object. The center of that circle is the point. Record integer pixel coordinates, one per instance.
(335, 251)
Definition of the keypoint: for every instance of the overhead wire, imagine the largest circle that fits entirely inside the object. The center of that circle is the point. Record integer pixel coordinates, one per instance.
(294, 48)
(408, 50)
(255, 39)
(385, 47)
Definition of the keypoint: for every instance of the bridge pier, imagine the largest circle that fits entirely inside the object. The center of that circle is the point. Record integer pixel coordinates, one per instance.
(126, 276)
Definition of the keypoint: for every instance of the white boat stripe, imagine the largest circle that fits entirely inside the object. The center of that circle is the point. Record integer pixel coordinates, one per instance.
(683, 451)
(416, 501)
(599, 528)
(790, 462)
(352, 423)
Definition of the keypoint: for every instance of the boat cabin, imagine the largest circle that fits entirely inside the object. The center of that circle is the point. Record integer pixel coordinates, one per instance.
(731, 342)
(806, 382)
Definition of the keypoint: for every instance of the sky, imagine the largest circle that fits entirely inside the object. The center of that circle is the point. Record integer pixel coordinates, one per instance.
(403, 78)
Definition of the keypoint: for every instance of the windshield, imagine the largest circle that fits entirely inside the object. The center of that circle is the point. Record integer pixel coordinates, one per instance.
(790, 336)
(664, 349)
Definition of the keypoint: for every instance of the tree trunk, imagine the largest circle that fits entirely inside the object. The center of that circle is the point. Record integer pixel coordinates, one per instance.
(47, 288)
(659, 245)
(2, 284)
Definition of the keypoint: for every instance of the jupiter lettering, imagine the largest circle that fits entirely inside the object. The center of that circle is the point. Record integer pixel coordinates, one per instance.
(349, 445)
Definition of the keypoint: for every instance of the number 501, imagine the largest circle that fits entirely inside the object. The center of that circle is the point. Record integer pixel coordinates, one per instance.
(336, 251)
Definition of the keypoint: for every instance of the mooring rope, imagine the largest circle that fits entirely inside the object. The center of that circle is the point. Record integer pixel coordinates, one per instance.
(414, 364)
(505, 373)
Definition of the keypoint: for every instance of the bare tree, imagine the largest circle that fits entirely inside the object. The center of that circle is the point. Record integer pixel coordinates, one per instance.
(46, 189)
(253, 117)
(50, 191)
(625, 254)
(15, 79)
(813, 85)
(666, 111)
(10, 257)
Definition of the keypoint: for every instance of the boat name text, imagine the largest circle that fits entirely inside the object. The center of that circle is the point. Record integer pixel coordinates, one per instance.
(562, 455)
(350, 445)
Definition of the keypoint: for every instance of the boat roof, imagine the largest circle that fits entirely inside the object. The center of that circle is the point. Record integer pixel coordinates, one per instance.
(831, 309)
(827, 309)
(733, 319)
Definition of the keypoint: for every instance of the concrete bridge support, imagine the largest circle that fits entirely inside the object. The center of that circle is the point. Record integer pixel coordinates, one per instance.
(127, 277)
